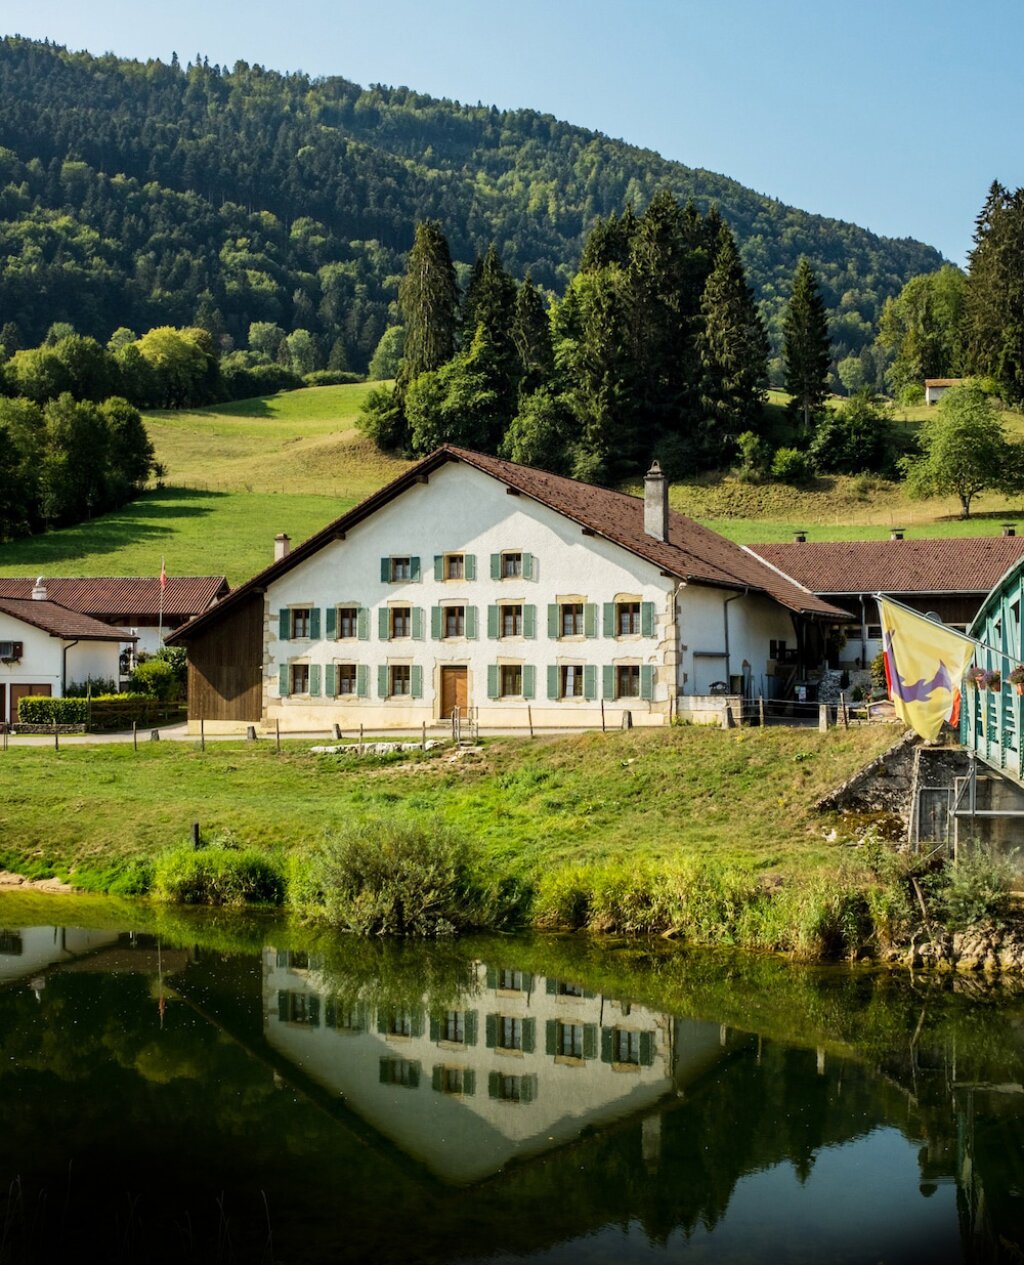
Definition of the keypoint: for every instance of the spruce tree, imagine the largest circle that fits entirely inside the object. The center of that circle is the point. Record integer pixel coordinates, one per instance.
(995, 293)
(807, 350)
(428, 298)
(531, 334)
(733, 346)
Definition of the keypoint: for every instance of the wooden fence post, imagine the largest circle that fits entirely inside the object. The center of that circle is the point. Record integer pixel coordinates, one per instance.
(823, 718)
(760, 710)
(56, 737)
(602, 716)
(529, 718)
(202, 734)
(277, 734)
(842, 709)
(135, 734)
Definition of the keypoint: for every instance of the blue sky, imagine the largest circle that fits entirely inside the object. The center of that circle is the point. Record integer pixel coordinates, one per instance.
(894, 114)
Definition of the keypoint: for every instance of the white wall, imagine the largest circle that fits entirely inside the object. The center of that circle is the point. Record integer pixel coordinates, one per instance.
(753, 622)
(33, 949)
(42, 660)
(96, 659)
(463, 510)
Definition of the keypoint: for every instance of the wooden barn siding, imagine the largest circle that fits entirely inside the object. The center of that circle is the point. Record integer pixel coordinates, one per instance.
(225, 666)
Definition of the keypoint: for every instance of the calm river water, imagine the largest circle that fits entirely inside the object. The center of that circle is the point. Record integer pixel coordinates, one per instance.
(214, 1089)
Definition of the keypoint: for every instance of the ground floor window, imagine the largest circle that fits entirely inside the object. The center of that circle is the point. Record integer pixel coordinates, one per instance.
(399, 678)
(454, 1080)
(511, 680)
(455, 1026)
(570, 680)
(300, 678)
(403, 1072)
(511, 981)
(570, 1040)
(627, 680)
(298, 1008)
(347, 678)
(521, 1089)
(626, 1046)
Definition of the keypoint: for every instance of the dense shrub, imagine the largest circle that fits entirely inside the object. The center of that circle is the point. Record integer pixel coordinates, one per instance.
(389, 877)
(36, 710)
(157, 678)
(976, 889)
(219, 874)
(92, 687)
(330, 378)
(789, 465)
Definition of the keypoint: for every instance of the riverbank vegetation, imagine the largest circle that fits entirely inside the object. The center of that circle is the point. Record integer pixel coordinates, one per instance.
(704, 836)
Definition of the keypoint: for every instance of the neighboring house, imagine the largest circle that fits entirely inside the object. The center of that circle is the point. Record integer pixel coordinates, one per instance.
(936, 388)
(131, 602)
(950, 577)
(518, 1065)
(476, 583)
(45, 647)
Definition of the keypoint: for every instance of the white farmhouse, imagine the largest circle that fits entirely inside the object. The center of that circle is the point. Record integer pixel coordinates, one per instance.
(46, 647)
(509, 593)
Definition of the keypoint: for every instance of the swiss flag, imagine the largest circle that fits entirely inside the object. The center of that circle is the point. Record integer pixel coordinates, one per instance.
(163, 575)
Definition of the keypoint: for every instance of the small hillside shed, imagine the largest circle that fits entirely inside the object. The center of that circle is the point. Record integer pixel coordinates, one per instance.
(936, 388)
(511, 594)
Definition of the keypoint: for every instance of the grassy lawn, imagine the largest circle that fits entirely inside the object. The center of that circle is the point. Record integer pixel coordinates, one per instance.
(199, 533)
(743, 796)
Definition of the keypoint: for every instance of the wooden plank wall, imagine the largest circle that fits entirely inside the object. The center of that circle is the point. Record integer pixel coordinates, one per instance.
(225, 666)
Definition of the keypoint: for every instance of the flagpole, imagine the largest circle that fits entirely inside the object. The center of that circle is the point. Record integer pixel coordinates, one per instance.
(163, 581)
(954, 632)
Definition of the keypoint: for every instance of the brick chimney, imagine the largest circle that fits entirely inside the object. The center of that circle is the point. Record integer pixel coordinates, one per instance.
(282, 546)
(39, 593)
(656, 503)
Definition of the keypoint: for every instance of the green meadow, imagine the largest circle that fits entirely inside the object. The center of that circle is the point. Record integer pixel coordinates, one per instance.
(237, 474)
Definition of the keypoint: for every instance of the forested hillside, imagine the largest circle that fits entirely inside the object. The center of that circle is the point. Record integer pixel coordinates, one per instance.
(147, 194)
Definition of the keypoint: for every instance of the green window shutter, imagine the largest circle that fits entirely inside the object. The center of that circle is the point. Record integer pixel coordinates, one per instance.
(492, 680)
(529, 567)
(382, 680)
(646, 1049)
(435, 623)
(492, 622)
(495, 566)
(527, 982)
(590, 682)
(314, 624)
(363, 624)
(417, 1023)
(331, 681)
(332, 623)
(590, 1040)
(416, 681)
(529, 1035)
(529, 681)
(471, 623)
(553, 680)
(417, 623)
(284, 625)
(550, 986)
(468, 1082)
(647, 618)
(494, 1084)
(283, 682)
(385, 570)
(647, 682)
(435, 1028)
(608, 681)
(282, 957)
(491, 1031)
(382, 1021)
(330, 1013)
(437, 1077)
(590, 619)
(362, 680)
(383, 623)
(607, 1045)
(414, 569)
(438, 566)
(528, 1089)
(492, 977)
(314, 680)
(471, 1027)
(609, 619)
(553, 629)
(469, 566)
(282, 1005)
(529, 621)
(551, 1036)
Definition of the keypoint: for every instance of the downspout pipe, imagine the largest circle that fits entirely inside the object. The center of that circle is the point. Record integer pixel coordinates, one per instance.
(725, 617)
(68, 645)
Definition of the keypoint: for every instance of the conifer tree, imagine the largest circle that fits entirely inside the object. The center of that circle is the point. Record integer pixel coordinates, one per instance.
(428, 297)
(807, 350)
(733, 347)
(531, 335)
(995, 293)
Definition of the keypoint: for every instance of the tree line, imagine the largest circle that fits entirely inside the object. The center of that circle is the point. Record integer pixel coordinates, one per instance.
(149, 194)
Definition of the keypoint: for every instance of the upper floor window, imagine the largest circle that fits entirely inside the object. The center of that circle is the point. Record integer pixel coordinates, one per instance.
(454, 566)
(511, 620)
(300, 621)
(454, 621)
(404, 1072)
(627, 619)
(348, 621)
(570, 1040)
(571, 619)
(400, 621)
(399, 567)
(511, 981)
(511, 565)
(626, 1046)
(455, 1026)
(510, 1033)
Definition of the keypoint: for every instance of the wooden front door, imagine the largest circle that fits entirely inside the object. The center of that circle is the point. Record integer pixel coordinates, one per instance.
(454, 691)
(18, 692)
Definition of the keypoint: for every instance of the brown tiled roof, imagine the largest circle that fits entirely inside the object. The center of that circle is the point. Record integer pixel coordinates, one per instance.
(59, 621)
(943, 382)
(692, 553)
(130, 598)
(968, 564)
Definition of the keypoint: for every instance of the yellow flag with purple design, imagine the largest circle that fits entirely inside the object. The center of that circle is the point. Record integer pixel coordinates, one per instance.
(924, 664)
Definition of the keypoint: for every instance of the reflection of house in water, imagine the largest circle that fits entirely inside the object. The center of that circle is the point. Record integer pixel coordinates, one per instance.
(28, 950)
(522, 1064)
